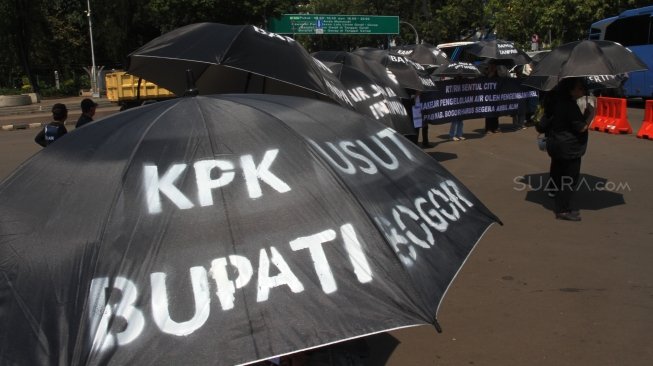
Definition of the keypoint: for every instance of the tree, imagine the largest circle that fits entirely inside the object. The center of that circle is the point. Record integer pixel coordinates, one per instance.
(23, 20)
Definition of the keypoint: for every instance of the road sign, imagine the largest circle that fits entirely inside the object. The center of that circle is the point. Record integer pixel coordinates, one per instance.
(334, 24)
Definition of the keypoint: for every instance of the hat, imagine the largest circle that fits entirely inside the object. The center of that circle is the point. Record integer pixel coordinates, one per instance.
(87, 104)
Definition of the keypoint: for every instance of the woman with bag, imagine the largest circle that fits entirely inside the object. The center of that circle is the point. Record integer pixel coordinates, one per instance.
(565, 126)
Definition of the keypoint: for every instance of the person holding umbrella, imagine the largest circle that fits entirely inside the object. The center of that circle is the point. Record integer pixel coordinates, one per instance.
(565, 126)
(492, 123)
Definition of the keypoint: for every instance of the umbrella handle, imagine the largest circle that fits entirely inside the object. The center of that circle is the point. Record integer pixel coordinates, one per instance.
(191, 90)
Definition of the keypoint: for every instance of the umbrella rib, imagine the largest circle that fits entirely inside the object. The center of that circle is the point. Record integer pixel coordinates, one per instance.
(228, 219)
(240, 69)
(233, 40)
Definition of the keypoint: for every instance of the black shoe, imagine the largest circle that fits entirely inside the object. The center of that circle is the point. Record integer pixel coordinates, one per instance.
(568, 216)
(426, 144)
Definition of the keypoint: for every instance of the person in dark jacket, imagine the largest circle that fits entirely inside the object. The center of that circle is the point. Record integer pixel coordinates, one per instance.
(88, 111)
(55, 129)
(565, 126)
(492, 123)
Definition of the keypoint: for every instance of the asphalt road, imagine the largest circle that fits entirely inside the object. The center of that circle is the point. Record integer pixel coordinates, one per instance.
(536, 291)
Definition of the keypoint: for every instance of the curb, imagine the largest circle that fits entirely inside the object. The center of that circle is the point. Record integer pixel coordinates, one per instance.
(23, 126)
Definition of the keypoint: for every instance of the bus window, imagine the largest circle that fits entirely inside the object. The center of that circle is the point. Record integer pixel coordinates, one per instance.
(631, 31)
(595, 33)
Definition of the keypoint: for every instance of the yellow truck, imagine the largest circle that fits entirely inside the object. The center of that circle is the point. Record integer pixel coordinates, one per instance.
(123, 88)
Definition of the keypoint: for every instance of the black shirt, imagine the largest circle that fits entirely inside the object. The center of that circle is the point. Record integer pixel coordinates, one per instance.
(83, 119)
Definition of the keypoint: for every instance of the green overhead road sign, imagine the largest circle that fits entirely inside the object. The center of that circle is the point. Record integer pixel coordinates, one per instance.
(334, 24)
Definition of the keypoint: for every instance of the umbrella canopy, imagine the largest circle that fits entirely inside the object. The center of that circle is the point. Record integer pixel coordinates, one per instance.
(588, 58)
(231, 59)
(537, 57)
(373, 100)
(223, 230)
(424, 54)
(499, 50)
(409, 74)
(547, 83)
(457, 69)
(381, 75)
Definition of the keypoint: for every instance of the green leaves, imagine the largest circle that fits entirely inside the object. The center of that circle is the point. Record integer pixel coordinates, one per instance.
(53, 35)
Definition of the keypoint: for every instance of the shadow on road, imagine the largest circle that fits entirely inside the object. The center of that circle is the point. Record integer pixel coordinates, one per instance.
(593, 193)
(381, 347)
(442, 156)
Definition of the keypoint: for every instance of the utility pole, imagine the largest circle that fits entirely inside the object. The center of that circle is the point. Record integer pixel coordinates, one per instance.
(94, 88)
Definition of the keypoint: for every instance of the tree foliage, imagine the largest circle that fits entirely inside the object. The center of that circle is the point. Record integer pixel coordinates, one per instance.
(40, 36)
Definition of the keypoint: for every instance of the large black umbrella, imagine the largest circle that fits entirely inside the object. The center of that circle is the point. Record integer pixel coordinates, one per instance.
(379, 73)
(457, 69)
(588, 58)
(424, 54)
(547, 83)
(502, 51)
(231, 59)
(408, 73)
(373, 100)
(223, 230)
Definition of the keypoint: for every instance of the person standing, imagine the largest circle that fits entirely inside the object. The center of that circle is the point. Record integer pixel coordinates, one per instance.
(55, 129)
(417, 115)
(456, 130)
(566, 126)
(88, 111)
(409, 104)
(535, 42)
(492, 123)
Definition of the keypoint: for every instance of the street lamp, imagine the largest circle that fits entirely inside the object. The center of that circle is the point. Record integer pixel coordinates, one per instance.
(414, 30)
(94, 90)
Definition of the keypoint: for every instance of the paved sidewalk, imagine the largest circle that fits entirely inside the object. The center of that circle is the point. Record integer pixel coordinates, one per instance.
(37, 114)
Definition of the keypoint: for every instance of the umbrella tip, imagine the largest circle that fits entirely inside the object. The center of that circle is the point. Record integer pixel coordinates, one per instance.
(437, 326)
(191, 90)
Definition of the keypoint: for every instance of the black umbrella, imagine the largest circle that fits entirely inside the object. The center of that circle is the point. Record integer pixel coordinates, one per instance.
(502, 51)
(591, 82)
(381, 75)
(409, 74)
(588, 58)
(424, 54)
(539, 56)
(231, 59)
(457, 69)
(373, 100)
(223, 230)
